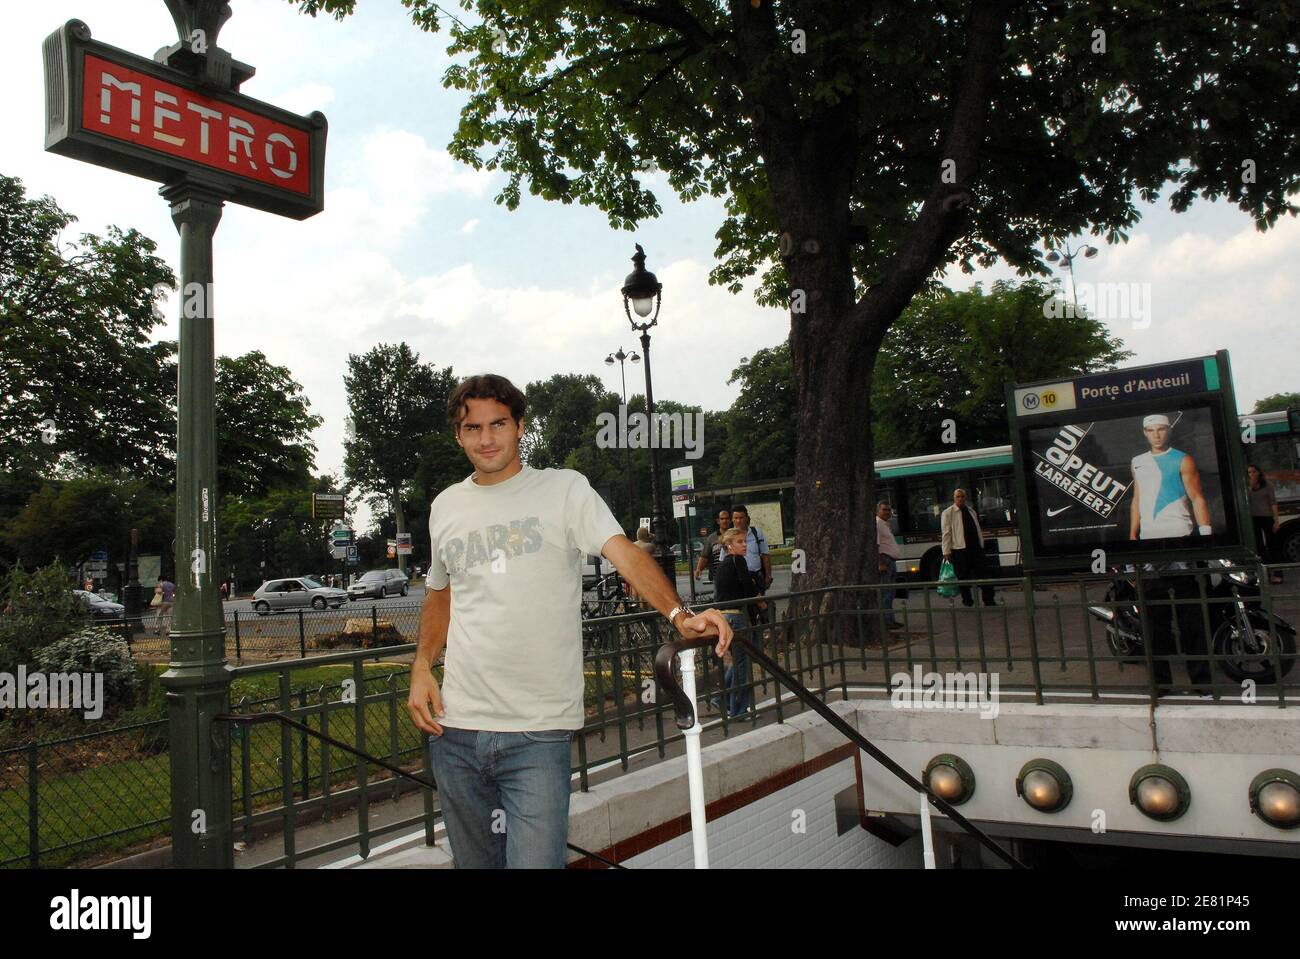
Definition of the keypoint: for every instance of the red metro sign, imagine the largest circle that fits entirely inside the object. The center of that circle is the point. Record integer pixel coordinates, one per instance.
(121, 111)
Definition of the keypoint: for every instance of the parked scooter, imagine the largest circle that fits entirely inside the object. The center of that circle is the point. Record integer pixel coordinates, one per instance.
(1239, 630)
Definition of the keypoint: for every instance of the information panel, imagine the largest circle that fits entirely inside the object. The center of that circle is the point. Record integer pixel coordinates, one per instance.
(1141, 464)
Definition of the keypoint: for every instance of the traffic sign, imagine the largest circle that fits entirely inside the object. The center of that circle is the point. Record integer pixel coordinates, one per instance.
(403, 544)
(354, 557)
(340, 552)
(341, 537)
(327, 506)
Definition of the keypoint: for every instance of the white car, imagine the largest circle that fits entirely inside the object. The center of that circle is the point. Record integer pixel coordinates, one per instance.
(296, 593)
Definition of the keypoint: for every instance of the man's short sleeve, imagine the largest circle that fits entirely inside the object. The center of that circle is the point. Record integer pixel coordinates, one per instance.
(589, 520)
(437, 578)
(762, 542)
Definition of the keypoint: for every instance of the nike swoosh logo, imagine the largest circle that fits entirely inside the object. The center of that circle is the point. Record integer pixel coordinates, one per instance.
(1053, 512)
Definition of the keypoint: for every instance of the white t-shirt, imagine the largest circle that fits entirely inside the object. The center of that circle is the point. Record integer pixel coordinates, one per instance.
(513, 555)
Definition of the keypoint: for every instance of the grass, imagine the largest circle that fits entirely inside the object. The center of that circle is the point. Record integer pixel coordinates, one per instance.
(108, 786)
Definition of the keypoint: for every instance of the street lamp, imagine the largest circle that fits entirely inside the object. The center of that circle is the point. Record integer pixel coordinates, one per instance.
(1053, 256)
(642, 294)
(627, 453)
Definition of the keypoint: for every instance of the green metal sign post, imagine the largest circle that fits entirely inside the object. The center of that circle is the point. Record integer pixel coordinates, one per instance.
(180, 119)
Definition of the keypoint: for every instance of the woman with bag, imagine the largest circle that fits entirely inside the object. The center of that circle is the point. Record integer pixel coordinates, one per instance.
(963, 546)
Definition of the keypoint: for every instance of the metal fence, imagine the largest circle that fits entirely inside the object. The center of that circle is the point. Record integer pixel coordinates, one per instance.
(104, 791)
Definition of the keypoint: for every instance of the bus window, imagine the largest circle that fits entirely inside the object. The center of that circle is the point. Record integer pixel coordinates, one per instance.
(924, 506)
(1279, 459)
(995, 498)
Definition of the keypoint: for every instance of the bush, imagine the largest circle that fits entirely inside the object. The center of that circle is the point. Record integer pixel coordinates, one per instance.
(38, 609)
(94, 650)
(151, 707)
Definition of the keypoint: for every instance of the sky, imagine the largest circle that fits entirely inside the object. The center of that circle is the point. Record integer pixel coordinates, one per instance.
(412, 247)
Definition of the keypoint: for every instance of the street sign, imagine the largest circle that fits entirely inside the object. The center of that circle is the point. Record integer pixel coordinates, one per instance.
(354, 557)
(327, 506)
(341, 537)
(682, 479)
(403, 544)
(680, 502)
(392, 549)
(99, 556)
(340, 552)
(128, 113)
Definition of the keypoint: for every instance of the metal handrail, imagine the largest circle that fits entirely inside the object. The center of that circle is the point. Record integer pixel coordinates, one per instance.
(685, 710)
(252, 718)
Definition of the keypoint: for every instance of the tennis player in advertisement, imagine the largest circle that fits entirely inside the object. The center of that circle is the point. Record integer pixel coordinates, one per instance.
(1135, 478)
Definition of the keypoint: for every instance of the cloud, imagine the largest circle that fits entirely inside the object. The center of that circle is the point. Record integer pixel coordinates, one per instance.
(470, 225)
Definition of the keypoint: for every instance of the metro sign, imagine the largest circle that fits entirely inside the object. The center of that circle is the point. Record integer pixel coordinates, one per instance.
(118, 110)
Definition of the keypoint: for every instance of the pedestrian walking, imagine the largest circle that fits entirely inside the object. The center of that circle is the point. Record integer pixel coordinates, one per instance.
(225, 591)
(166, 592)
(963, 545)
(712, 551)
(1264, 515)
(511, 696)
(890, 554)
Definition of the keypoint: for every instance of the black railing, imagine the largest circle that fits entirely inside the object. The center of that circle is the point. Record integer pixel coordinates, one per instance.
(685, 710)
(364, 760)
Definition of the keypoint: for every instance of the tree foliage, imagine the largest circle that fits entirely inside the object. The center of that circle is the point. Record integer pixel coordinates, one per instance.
(863, 148)
(950, 354)
(84, 388)
(1276, 402)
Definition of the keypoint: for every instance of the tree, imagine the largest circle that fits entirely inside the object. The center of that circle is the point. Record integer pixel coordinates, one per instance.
(1276, 402)
(761, 438)
(863, 148)
(950, 353)
(84, 388)
(561, 416)
(263, 427)
(395, 402)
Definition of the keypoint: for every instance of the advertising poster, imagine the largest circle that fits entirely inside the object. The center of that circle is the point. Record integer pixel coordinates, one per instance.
(1136, 478)
(1135, 463)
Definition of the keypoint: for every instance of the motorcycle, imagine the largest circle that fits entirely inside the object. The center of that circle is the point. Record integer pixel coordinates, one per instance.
(1239, 627)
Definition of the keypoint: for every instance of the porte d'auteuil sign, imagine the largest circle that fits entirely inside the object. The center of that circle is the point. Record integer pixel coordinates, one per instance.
(122, 111)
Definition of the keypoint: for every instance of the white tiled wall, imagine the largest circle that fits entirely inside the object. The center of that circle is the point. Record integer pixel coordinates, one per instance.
(762, 835)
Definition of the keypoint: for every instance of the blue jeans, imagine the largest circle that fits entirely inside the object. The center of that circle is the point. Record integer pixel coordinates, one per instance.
(890, 575)
(505, 796)
(737, 676)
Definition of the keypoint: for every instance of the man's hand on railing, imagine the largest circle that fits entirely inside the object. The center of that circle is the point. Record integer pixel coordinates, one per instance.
(425, 693)
(707, 623)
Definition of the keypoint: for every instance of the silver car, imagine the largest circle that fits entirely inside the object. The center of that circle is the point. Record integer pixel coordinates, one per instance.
(378, 583)
(296, 593)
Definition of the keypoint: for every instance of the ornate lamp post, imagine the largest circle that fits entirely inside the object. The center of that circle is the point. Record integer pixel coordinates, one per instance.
(642, 295)
(627, 453)
(1088, 252)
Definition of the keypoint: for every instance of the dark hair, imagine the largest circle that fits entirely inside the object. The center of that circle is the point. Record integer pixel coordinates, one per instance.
(739, 509)
(1263, 480)
(485, 386)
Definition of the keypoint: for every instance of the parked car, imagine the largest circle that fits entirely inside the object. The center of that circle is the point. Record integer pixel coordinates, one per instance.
(295, 593)
(377, 584)
(99, 607)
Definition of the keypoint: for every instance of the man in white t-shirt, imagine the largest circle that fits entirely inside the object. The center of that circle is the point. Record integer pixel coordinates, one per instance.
(504, 597)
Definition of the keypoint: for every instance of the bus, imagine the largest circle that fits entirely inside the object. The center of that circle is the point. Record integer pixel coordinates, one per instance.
(919, 489)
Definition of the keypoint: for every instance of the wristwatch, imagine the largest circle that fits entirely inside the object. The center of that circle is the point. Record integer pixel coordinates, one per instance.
(672, 614)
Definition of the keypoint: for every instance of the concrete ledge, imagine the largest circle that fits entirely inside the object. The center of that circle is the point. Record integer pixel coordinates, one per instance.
(412, 857)
(648, 797)
(589, 823)
(1241, 730)
(754, 756)
(819, 736)
(881, 719)
(1073, 726)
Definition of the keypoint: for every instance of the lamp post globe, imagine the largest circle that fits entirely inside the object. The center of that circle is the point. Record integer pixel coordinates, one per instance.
(642, 295)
